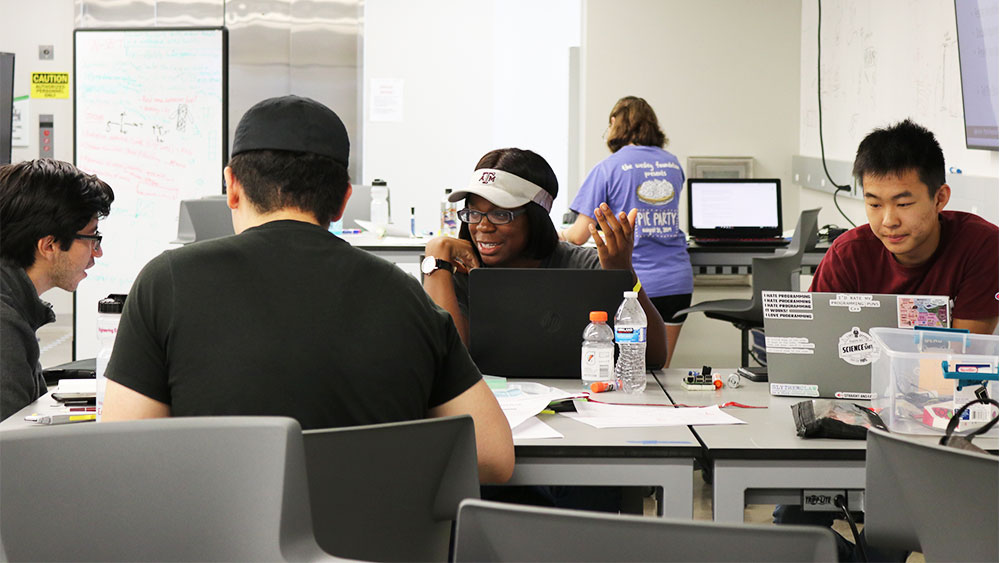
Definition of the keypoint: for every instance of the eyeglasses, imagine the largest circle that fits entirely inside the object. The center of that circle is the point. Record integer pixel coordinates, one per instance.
(496, 216)
(96, 238)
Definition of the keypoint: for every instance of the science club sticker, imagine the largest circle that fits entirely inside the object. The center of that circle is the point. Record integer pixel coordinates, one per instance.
(857, 348)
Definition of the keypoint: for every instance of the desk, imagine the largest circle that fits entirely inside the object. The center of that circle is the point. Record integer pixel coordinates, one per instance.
(704, 260)
(660, 457)
(764, 461)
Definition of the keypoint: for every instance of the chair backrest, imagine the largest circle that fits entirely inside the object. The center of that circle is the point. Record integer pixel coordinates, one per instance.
(390, 492)
(182, 489)
(780, 272)
(491, 531)
(934, 499)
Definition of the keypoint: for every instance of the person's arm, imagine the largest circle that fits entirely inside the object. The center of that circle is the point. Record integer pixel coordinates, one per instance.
(122, 403)
(615, 252)
(20, 385)
(439, 284)
(976, 326)
(494, 442)
(578, 232)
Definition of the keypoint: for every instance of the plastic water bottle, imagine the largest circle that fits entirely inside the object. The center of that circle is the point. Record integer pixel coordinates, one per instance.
(630, 334)
(449, 216)
(597, 361)
(380, 209)
(109, 313)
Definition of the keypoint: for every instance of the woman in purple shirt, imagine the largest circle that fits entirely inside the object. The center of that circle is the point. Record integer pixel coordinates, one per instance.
(640, 174)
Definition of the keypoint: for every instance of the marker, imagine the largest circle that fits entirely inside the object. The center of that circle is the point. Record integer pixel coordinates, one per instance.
(602, 386)
(60, 418)
(413, 222)
(351, 231)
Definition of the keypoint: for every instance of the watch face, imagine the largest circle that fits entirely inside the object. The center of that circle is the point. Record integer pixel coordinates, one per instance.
(428, 265)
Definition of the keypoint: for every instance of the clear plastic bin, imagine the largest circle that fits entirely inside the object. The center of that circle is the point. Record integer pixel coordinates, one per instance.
(909, 390)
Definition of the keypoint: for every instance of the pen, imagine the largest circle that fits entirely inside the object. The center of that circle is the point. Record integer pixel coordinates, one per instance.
(60, 418)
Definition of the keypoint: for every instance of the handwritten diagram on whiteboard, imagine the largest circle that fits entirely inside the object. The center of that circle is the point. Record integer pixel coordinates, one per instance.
(150, 121)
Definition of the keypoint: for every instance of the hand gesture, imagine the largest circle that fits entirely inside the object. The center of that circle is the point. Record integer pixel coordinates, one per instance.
(615, 247)
(455, 250)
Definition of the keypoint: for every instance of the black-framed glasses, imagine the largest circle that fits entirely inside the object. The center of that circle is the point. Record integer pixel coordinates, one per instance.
(496, 216)
(95, 238)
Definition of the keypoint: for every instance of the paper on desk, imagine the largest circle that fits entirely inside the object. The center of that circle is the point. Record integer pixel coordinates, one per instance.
(621, 416)
(521, 401)
(77, 386)
(534, 429)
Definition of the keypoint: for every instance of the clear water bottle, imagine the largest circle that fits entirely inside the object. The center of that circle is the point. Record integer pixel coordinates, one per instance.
(449, 216)
(597, 361)
(380, 209)
(630, 335)
(109, 313)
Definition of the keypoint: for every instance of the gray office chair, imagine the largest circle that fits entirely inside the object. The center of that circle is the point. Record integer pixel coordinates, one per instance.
(772, 273)
(183, 489)
(492, 531)
(934, 499)
(390, 492)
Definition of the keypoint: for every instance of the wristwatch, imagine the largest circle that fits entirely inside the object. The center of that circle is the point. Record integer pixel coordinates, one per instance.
(430, 264)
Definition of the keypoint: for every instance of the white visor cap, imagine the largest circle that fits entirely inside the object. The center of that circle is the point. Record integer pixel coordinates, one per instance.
(504, 189)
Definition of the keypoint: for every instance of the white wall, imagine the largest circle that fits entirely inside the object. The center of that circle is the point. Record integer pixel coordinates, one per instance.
(722, 76)
(882, 62)
(476, 76)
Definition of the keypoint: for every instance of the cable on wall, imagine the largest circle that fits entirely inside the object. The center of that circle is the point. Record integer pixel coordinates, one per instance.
(819, 105)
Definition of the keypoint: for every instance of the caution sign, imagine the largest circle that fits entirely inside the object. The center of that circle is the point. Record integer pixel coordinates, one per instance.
(50, 85)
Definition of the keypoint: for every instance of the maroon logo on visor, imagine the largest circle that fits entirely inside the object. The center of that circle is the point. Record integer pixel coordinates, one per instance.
(488, 178)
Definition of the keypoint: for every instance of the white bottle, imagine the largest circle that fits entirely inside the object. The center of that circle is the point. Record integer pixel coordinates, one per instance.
(630, 335)
(380, 209)
(597, 358)
(109, 313)
(449, 216)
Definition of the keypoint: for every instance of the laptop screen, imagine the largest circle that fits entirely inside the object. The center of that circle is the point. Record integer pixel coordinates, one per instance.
(734, 208)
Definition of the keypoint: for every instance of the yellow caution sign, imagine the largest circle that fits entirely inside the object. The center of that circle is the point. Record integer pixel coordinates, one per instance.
(50, 85)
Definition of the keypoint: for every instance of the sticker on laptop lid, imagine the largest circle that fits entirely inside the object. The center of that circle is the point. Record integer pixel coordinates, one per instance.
(795, 389)
(787, 305)
(788, 345)
(852, 395)
(854, 302)
(857, 348)
(915, 310)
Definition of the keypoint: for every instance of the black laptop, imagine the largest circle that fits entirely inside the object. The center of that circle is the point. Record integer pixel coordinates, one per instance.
(735, 212)
(529, 322)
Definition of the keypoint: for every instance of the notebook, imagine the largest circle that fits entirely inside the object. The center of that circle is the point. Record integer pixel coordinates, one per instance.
(735, 212)
(529, 322)
(819, 345)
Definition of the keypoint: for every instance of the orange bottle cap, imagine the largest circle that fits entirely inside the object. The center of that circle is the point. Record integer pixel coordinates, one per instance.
(598, 316)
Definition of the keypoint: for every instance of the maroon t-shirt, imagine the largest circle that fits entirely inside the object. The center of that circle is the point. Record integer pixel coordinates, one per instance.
(964, 266)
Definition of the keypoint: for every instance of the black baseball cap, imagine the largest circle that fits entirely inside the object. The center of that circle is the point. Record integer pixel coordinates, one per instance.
(292, 123)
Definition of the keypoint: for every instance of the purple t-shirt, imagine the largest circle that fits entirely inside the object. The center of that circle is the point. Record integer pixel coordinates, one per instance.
(651, 180)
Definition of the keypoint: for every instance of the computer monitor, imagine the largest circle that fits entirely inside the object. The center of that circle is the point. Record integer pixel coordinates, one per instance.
(734, 208)
(6, 106)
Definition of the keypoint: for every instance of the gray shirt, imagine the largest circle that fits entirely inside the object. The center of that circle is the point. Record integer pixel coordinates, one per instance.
(566, 256)
(21, 314)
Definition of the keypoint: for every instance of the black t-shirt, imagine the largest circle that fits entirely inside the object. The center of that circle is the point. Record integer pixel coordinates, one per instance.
(287, 319)
(566, 256)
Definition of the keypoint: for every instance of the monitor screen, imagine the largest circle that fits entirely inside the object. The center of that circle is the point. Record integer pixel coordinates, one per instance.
(734, 204)
(977, 22)
(6, 106)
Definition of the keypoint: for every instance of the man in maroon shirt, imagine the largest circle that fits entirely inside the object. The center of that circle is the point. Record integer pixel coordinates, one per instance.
(910, 245)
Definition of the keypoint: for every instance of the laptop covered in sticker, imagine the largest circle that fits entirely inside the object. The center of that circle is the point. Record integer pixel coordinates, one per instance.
(820, 345)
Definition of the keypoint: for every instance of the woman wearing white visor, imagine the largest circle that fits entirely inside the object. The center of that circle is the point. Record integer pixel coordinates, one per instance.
(506, 224)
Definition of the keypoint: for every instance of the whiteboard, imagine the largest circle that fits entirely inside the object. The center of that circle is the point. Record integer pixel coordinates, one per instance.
(150, 120)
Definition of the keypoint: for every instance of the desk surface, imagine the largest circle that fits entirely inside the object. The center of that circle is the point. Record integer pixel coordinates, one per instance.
(769, 433)
(584, 440)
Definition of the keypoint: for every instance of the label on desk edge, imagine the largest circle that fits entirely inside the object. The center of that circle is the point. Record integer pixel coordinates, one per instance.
(795, 389)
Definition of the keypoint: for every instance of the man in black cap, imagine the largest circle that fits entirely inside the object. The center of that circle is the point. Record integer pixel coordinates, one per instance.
(284, 318)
